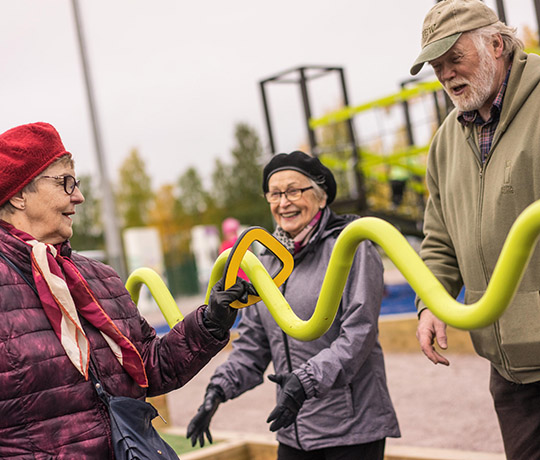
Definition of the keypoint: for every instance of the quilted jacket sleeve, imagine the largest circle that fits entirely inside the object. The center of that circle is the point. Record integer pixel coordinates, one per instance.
(174, 359)
(170, 361)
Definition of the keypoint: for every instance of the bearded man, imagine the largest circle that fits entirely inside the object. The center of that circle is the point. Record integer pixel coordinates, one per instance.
(483, 171)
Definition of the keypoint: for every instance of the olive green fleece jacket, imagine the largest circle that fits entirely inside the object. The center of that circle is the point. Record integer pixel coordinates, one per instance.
(471, 208)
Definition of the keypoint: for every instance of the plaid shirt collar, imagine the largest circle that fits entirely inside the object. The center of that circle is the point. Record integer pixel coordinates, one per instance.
(473, 116)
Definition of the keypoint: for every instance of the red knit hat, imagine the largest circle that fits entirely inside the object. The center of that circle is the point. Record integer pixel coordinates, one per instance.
(26, 151)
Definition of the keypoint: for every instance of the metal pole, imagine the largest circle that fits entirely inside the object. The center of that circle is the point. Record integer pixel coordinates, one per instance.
(537, 9)
(113, 243)
(408, 124)
(500, 11)
(267, 118)
(307, 110)
(358, 174)
(438, 109)
(350, 127)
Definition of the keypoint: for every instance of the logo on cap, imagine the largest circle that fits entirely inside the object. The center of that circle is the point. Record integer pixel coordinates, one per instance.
(428, 31)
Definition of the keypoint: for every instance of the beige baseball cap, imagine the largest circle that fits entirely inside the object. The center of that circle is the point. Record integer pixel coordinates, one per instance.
(445, 23)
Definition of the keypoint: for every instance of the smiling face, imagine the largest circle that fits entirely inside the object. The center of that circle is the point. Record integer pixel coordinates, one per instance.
(471, 73)
(46, 212)
(293, 216)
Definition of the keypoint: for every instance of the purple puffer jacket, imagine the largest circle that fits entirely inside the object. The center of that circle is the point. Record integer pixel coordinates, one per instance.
(47, 409)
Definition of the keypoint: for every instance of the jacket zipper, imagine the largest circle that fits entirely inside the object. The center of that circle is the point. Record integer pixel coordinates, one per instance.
(290, 369)
(480, 204)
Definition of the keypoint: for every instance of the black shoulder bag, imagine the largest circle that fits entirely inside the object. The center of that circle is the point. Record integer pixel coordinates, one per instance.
(133, 435)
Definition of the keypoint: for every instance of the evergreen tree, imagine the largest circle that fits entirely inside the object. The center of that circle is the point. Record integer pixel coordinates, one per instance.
(193, 198)
(134, 194)
(222, 181)
(243, 197)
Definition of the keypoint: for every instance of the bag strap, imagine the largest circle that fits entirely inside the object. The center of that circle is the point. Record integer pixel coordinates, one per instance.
(18, 270)
(103, 395)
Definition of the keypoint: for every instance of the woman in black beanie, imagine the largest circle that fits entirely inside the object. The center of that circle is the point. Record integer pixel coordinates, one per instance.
(332, 398)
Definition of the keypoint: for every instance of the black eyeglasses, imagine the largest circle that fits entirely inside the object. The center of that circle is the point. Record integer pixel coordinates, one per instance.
(69, 182)
(292, 194)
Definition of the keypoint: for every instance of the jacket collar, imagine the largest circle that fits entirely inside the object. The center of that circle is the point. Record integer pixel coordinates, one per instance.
(524, 78)
(18, 251)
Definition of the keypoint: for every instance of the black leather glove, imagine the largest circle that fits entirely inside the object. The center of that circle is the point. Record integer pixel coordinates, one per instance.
(199, 425)
(219, 316)
(289, 402)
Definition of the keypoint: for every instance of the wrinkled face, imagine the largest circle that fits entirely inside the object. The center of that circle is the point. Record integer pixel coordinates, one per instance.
(293, 216)
(47, 212)
(470, 75)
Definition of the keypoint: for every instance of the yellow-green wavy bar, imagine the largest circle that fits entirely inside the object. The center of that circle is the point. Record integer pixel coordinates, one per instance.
(502, 287)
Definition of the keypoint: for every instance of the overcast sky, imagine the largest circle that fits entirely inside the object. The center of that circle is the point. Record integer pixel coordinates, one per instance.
(172, 77)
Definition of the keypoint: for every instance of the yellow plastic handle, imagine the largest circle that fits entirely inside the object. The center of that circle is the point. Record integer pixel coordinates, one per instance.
(159, 291)
(502, 287)
(241, 247)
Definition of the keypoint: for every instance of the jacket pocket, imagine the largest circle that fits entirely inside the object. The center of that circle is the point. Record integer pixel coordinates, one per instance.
(520, 331)
(516, 334)
(333, 410)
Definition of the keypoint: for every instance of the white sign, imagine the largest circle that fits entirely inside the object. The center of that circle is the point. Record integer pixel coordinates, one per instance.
(143, 249)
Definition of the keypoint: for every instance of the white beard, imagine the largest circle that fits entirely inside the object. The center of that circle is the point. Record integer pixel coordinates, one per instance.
(480, 85)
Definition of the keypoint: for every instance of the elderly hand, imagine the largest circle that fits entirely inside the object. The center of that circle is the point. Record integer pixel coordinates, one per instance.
(289, 402)
(200, 423)
(431, 328)
(219, 316)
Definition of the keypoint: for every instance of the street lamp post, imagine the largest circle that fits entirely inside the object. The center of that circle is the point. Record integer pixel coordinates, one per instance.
(113, 243)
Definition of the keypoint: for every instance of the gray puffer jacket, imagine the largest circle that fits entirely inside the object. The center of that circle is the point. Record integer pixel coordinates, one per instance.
(342, 372)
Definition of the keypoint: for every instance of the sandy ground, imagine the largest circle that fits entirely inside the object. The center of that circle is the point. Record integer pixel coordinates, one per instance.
(436, 406)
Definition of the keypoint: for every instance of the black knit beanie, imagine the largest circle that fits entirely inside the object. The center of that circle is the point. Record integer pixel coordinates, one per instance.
(305, 164)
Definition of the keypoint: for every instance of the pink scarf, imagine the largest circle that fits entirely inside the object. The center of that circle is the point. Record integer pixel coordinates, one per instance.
(294, 245)
(302, 239)
(64, 294)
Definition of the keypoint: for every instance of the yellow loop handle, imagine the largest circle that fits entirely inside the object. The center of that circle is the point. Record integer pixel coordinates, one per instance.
(159, 291)
(509, 270)
(241, 247)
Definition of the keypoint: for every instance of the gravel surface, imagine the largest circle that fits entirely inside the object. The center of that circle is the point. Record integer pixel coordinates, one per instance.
(437, 406)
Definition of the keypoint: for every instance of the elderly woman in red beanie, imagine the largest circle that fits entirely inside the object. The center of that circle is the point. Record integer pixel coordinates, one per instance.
(63, 316)
(332, 398)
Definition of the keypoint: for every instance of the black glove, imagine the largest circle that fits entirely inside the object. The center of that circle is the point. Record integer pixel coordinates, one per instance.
(199, 425)
(289, 402)
(219, 316)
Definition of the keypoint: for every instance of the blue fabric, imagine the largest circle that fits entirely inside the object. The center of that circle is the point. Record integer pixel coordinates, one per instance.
(399, 298)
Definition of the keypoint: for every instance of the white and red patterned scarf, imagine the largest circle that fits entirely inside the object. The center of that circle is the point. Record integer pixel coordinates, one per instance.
(64, 294)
